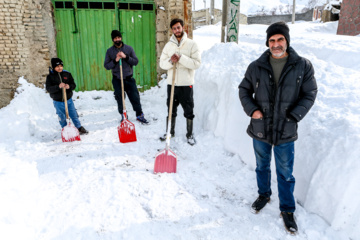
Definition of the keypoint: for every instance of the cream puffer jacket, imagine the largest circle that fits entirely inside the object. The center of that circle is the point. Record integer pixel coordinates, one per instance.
(189, 61)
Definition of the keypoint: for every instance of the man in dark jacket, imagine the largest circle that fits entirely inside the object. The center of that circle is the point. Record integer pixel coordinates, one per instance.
(128, 59)
(277, 92)
(55, 81)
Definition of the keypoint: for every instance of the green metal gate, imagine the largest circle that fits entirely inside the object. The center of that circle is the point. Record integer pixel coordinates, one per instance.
(83, 29)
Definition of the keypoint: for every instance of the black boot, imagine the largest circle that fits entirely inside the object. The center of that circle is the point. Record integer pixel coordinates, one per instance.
(82, 130)
(172, 129)
(289, 222)
(189, 134)
(259, 203)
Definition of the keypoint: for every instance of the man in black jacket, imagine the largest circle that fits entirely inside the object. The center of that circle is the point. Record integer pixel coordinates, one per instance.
(277, 91)
(128, 59)
(55, 81)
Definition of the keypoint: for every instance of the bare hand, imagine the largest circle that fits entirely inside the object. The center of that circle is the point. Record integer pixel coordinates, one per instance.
(175, 58)
(120, 55)
(67, 86)
(257, 114)
(61, 85)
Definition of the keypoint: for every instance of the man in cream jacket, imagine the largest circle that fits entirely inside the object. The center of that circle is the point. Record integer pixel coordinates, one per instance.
(183, 52)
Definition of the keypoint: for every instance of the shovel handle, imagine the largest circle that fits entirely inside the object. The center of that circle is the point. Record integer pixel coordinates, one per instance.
(122, 86)
(170, 107)
(66, 105)
(65, 99)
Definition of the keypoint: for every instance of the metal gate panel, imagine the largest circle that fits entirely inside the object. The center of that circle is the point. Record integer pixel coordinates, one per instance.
(95, 26)
(67, 43)
(138, 28)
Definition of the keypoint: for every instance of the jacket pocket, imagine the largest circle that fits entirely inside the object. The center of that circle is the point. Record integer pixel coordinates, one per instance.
(257, 127)
(289, 129)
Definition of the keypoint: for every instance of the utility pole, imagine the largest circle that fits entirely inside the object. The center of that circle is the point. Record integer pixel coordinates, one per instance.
(223, 20)
(212, 15)
(293, 13)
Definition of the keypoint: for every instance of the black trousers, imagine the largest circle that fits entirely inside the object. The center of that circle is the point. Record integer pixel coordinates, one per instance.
(131, 91)
(182, 95)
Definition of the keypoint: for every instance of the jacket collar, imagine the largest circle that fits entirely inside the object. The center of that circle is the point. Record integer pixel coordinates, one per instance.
(183, 39)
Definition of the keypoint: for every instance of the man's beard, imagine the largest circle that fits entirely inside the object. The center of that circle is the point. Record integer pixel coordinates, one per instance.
(278, 54)
(180, 35)
(118, 43)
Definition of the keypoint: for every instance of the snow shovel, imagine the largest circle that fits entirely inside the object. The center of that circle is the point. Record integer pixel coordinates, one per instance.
(69, 133)
(165, 161)
(126, 129)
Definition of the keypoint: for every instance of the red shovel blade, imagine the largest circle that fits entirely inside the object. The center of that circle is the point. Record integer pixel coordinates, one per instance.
(165, 162)
(126, 131)
(70, 133)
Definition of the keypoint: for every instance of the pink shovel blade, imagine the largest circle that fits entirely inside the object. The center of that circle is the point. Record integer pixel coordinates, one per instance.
(165, 162)
(70, 134)
(126, 131)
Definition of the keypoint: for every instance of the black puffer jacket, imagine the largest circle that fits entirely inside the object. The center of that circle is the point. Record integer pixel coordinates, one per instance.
(281, 108)
(53, 81)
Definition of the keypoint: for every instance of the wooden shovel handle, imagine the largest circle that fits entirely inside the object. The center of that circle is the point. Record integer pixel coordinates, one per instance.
(122, 86)
(65, 99)
(170, 107)
(172, 94)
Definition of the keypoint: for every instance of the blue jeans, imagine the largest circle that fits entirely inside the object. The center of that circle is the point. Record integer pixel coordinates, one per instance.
(60, 111)
(284, 162)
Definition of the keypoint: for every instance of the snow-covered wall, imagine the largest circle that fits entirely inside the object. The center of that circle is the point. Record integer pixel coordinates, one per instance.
(326, 155)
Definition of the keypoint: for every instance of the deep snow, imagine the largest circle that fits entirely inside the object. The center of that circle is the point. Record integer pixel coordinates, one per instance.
(101, 189)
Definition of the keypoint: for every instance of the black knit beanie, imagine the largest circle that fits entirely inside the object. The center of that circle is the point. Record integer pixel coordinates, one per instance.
(56, 62)
(278, 28)
(115, 33)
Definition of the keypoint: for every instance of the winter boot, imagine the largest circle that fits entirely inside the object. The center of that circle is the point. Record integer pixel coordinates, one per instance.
(189, 134)
(259, 203)
(172, 129)
(142, 119)
(82, 130)
(289, 222)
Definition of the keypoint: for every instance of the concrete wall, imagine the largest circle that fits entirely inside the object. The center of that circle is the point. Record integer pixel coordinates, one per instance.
(349, 23)
(27, 39)
(269, 19)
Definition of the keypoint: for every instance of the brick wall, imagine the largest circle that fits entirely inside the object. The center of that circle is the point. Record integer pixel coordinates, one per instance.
(349, 23)
(24, 45)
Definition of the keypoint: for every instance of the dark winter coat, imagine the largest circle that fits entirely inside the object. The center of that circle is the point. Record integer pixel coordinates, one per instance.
(127, 63)
(282, 108)
(53, 81)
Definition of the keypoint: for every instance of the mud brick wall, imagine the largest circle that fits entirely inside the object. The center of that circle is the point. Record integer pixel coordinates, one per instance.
(23, 44)
(349, 23)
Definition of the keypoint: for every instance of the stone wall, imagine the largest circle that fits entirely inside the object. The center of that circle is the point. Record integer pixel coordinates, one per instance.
(349, 23)
(23, 43)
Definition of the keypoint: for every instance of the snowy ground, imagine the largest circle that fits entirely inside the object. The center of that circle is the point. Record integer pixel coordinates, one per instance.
(101, 189)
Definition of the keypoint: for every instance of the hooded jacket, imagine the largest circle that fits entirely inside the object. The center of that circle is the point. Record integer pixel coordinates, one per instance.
(53, 81)
(282, 108)
(189, 61)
